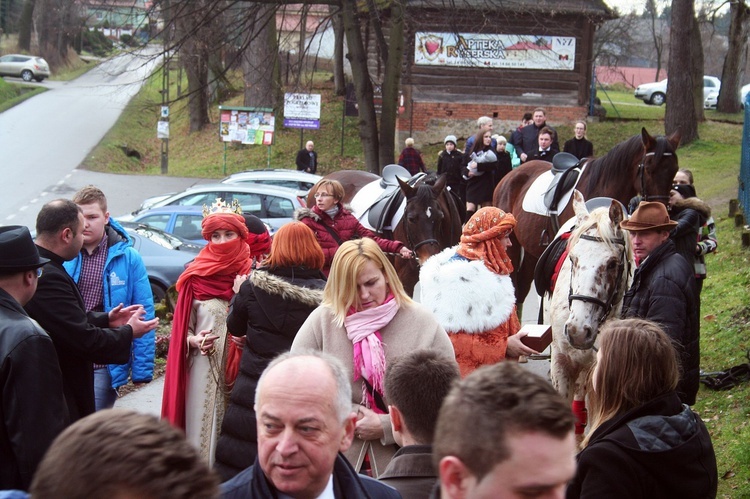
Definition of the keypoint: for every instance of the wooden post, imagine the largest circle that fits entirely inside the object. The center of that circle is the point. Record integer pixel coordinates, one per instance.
(739, 219)
(746, 238)
(734, 207)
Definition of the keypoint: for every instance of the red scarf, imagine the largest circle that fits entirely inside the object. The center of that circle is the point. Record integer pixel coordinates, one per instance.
(210, 275)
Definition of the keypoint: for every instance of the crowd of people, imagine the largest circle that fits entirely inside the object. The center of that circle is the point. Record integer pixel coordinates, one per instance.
(299, 367)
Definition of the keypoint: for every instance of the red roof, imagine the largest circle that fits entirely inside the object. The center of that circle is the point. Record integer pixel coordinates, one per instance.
(528, 46)
(632, 77)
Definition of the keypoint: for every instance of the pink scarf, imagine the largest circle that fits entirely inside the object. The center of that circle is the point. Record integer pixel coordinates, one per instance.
(363, 329)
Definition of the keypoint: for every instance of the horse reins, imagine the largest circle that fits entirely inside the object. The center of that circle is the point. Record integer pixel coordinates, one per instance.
(607, 306)
(641, 174)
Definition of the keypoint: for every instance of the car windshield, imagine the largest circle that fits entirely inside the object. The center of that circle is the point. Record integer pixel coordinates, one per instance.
(161, 238)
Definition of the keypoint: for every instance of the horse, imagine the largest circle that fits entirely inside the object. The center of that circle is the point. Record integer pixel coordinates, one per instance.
(642, 165)
(590, 286)
(430, 223)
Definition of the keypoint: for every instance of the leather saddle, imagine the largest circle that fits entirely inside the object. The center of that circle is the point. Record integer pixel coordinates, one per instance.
(566, 171)
(385, 206)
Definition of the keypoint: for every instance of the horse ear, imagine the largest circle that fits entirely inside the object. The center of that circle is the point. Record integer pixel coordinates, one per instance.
(674, 138)
(440, 184)
(405, 188)
(648, 141)
(615, 212)
(579, 207)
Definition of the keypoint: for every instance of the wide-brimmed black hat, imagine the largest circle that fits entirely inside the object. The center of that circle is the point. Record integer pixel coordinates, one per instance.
(17, 250)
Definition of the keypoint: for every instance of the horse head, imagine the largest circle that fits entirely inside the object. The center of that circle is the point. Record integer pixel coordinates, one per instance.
(658, 166)
(600, 255)
(424, 217)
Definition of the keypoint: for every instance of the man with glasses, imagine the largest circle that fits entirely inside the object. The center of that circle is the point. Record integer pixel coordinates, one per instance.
(32, 403)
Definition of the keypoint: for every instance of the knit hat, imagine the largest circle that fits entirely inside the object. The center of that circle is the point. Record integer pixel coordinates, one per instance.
(450, 138)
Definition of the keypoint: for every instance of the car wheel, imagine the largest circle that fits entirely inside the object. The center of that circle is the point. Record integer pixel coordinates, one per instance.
(158, 291)
(27, 75)
(658, 98)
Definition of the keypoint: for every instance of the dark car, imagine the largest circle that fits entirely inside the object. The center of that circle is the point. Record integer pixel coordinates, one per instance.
(178, 220)
(164, 255)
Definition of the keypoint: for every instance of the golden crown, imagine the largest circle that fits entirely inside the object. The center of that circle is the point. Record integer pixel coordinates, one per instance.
(220, 206)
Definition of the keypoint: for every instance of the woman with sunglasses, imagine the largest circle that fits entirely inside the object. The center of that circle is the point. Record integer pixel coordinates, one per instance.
(333, 224)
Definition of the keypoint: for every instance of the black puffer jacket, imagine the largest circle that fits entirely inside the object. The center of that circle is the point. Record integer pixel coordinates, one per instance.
(664, 291)
(690, 215)
(269, 309)
(660, 449)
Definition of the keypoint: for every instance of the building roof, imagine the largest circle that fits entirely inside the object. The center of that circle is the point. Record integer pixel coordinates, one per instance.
(632, 77)
(588, 7)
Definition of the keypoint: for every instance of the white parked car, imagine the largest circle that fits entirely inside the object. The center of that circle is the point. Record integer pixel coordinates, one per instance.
(28, 67)
(656, 93)
(713, 98)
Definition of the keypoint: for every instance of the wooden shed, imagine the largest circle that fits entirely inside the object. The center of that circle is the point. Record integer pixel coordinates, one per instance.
(501, 58)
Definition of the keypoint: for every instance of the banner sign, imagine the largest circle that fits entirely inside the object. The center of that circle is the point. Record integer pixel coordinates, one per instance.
(495, 51)
(302, 111)
(246, 125)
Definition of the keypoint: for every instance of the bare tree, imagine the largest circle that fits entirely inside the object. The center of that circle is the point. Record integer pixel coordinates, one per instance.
(260, 62)
(656, 33)
(680, 113)
(734, 62)
(25, 25)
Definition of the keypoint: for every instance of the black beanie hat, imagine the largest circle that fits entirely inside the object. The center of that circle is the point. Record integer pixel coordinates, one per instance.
(685, 190)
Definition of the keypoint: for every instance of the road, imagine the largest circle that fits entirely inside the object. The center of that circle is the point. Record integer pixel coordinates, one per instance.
(45, 138)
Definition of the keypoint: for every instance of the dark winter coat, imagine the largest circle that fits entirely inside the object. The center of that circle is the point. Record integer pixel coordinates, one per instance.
(303, 161)
(479, 188)
(32, 405)
(525, 141)
(411, 472)
(345, 225)
(580, 148)
(80, 338)
(660, 449)
(450, 164)
(690, 215)
(664, 291)
(269, 310)
(347, 484)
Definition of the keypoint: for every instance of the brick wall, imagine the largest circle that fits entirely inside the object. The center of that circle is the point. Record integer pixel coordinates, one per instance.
(430, 122)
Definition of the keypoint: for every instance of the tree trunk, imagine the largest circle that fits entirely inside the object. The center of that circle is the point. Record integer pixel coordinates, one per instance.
(260, 60)
(368, 125)
(339, 79)
(25, 26)
(731, 73)
(696, 67)
(680, 113)
(391, 80)
(191, 29)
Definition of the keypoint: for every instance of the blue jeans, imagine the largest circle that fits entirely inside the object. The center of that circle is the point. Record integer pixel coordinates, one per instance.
(104, 394)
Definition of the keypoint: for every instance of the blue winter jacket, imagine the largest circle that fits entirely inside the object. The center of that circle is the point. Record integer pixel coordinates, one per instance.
(125, 281)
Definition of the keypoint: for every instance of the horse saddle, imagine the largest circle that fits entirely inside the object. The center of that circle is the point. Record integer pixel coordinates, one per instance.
(566, 172)
(379, 203)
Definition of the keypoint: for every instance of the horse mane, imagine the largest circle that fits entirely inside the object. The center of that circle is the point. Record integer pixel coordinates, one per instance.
(599, 219)
(615, 166)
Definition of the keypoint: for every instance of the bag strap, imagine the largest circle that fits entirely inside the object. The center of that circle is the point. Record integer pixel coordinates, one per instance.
(333, 234)
(379, 402)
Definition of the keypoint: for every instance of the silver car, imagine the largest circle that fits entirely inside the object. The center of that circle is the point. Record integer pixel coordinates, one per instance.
(292, 179)
(274, 205)
(27, 67)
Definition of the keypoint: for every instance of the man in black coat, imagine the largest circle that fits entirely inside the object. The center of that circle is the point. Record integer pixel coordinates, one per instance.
(31, 395)
(305, 422)
(664, 290)
(526, 142)
(80, 338)
(307, 158)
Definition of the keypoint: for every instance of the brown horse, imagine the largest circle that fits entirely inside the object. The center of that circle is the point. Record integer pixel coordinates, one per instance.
(642, 165)
(431, 220)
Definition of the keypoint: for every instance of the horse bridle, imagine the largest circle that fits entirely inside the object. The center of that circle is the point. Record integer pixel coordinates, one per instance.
(607, 306)
(413, 247)
(641, 174)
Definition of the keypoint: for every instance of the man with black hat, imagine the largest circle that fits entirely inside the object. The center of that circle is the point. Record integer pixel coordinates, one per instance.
(31, 395)
(664, 289)
(80, 338)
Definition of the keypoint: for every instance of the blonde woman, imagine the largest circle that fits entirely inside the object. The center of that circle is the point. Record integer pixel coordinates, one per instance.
(642, 442)
(366, 320)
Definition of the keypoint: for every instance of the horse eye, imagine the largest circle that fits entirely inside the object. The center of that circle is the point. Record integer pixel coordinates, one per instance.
(412, 219)
(612, 265)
